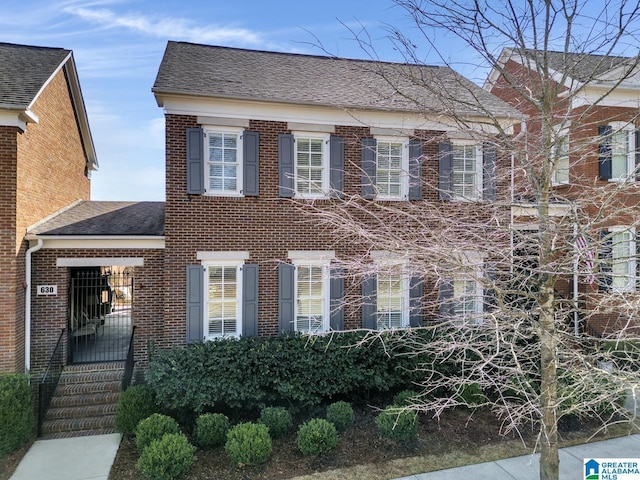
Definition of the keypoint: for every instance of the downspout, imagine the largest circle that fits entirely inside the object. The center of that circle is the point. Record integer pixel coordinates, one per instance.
(27, 305)
(576, 266)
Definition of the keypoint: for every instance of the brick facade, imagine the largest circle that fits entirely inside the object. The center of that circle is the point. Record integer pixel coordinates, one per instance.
(43, 169)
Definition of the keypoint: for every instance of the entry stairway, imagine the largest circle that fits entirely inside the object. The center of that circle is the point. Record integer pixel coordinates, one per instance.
(85, 401)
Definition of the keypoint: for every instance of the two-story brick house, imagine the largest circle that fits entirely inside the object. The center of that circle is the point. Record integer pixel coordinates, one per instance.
(595, 171)
(47, 155)
(251, 136)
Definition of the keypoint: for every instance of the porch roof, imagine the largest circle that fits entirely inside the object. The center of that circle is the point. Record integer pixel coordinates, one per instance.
(93, 218)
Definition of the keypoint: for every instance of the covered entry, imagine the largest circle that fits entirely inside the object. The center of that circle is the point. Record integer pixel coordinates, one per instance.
(100, 313)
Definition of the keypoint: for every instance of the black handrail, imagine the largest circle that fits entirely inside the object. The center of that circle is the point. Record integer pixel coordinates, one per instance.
(49, 382)
(129, 363)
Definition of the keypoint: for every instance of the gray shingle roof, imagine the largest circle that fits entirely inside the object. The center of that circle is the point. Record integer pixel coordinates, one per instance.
(24, 70)
(91, 218)
(212, 71)
(581, 66)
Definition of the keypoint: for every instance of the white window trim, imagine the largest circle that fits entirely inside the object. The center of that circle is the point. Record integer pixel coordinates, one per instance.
(314, 258)
(560, 133)
(404, 168)
(238, 263)
(387, 261)
(631, 278)
(208, 129)
(479, 171)
(629, 128)
(325, 163)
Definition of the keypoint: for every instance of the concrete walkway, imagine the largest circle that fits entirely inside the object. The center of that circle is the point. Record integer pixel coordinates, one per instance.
(78, 458)
(90, 458)
(527, 467)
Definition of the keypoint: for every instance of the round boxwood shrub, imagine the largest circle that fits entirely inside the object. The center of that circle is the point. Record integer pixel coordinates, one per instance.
(397, 424)
(404, 398)
(167, 458)
(211, 430)
(341, 415)
(277, 419)
(135, 403)
(154, 427)
(16, 412)
(317, 436)
(248, 444)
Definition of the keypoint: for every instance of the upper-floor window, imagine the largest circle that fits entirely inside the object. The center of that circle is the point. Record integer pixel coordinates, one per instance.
(311, 165)
(467, 170)
(392, 163)
(560, 172)
(617, 152)
(224, 166)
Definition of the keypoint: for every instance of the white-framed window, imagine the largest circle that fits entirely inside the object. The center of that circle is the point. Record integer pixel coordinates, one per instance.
(467, 170)
(311, 152)
(623, 146)
(392, 165)
(467, 290)
(223, 161)
(312, 290)
(623, 259)
(223, 299)
(560, 173)
(392, 308)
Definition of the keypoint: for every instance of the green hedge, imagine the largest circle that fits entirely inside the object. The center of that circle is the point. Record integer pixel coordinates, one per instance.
(17, 419)
(253, 372)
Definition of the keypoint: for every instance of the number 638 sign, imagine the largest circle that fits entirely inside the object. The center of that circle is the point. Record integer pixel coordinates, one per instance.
(47, 289)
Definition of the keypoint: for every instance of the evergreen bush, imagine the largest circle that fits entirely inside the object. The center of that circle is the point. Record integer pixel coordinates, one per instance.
(317, 436)
(168, 458)
(277, 419)
(397, 424)
(341, 415)
(17, 419)
(135, 403)
(154, 427)
(211, 430)
(248, 444)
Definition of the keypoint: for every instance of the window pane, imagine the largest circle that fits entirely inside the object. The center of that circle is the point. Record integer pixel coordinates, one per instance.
(390, 301)
(309, 165)
(223, 161)
(622, 260)
(310, 298)
(389, 168)
(222, 306)
(619, 154)
(464, 177)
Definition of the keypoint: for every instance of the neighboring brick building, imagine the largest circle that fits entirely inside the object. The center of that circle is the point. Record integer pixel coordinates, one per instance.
(46, 156)
(248, 131)
(596, 173)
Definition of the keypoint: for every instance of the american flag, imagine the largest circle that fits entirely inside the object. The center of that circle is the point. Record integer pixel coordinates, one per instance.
(587, 255)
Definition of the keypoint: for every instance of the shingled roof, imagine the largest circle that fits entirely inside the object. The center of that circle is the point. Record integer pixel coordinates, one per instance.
(24, 70)
(93, 218)
(223, 72)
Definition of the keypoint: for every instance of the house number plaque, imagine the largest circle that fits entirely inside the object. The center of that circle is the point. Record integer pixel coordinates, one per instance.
(47, 289)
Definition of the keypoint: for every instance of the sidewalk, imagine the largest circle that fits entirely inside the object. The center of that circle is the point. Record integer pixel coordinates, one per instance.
(527, 467)
(90, 458)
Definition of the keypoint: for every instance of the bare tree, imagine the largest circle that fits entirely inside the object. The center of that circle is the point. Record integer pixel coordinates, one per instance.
(552, 257)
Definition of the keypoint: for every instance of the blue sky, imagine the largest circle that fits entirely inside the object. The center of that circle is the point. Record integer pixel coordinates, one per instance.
(118, 45)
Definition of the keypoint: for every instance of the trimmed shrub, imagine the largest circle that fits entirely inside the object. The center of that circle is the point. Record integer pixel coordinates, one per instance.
(341, 415)
(317, 436)
(397, 424)
(211, 430)
(277, 419)
(472, 395)
(405, 398)
(16, 412)
(135, 403)
(154, 427)
(167, 458)
(248, 444)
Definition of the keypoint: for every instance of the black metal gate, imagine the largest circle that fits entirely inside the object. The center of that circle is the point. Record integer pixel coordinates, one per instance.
(100, 314)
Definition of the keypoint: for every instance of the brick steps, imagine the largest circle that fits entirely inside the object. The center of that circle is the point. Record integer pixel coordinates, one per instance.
(85, 401)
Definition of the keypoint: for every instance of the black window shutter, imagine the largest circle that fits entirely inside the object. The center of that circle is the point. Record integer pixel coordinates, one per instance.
(195, 303)
(368, 168)
(445, 299)
(489, 172)
(250, 164)
(336, 294)
(286, 166)
(415, 170)
(369, 302)
(286, 297)
(605, 255)
(637, 260)
(250, 300)
(336, 162)
(490, 301)
(604, 152)
(195, 160)
(445, 170)
(637, 155)
(415, 302)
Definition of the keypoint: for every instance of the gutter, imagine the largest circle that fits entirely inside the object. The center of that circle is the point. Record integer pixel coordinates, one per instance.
(27, 305)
